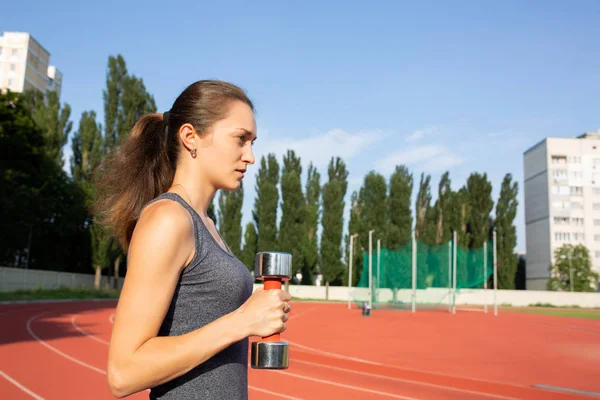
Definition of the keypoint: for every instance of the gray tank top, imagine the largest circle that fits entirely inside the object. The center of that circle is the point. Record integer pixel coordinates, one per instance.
(215, 283)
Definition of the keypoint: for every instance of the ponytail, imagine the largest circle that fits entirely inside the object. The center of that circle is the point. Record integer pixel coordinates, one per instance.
(133, 174)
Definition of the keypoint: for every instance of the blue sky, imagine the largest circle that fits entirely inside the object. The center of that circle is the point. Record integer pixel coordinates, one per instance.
(462, 86)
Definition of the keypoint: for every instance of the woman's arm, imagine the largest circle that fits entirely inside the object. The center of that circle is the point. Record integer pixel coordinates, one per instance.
(163, 243)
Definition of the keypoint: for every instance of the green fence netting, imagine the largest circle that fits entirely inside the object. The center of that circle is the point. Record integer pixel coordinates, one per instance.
(392, 275)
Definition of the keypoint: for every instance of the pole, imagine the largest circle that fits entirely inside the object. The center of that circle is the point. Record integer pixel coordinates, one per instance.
(450, 276)
(350, 270)
(454, 275)
(414, 272)
(378, 269)
(485, 277)
(495, 277)
(371, 269)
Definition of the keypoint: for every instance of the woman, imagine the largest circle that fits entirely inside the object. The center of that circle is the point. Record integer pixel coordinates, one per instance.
(186, 309)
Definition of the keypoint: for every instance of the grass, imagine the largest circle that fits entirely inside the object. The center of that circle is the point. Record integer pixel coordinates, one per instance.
(591, 314)
(58, 294)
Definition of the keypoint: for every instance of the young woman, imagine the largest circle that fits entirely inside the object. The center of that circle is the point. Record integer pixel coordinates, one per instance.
(186, 309)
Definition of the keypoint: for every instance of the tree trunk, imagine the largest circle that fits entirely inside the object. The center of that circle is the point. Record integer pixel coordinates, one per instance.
(116, 273)
(327, 290)
(97, 277)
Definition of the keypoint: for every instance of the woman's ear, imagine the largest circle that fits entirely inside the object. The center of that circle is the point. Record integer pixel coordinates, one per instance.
(187, 134)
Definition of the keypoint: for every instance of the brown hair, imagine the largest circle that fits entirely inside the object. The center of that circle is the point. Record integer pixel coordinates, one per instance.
(143, 167)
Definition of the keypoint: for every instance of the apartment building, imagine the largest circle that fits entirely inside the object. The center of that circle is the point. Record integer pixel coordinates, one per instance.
(562, 201)
(25, 64)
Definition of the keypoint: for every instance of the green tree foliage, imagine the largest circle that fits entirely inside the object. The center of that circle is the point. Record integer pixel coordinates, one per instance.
(334, 192)
(354, 225)
(443, 210)
(399, 210)
(373, 205)
(313, 211)
(572, 261)
(479, 194)
(52, 120)
(86, 146)
(292, 229)
(43, 212)
(249, 252)
(423, 204)
(230, 215)
(506, 233)
(266, 202)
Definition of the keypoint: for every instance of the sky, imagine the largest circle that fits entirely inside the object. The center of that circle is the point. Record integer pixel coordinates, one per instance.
(462, 86)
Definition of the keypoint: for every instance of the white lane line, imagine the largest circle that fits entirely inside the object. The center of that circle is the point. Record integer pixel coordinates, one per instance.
(334, 355)
(303, 312)
(403, 380)
(91, 336)
(85, 332)
(17, 384)
(54, 349)
(273, 393)
(344, 385)
(567, 390)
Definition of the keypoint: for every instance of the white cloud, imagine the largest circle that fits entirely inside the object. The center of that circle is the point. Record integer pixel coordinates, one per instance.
(431, 158)
(319, 149)
(421, 133)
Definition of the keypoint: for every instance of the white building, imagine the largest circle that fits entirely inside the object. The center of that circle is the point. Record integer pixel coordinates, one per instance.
(25, 64)
(562, 201)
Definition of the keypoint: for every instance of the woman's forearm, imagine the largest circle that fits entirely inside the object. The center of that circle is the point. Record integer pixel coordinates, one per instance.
(163, 358)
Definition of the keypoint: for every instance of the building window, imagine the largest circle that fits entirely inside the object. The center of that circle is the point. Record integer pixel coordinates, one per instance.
(597, 238)
(596, 206)
(575, 160)
(576, 190)
(559, 173)
(561, 205)
(575, 205)
(10, 82)
(576, 175)
(561, 220)
(579, 237)
(12, 67)
(563, 236)
(15, 52)
(577, 221)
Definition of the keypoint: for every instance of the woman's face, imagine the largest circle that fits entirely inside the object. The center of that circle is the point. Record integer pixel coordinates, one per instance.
(225, 152)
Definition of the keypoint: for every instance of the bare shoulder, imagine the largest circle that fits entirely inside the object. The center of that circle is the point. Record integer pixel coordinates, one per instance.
(164, 228)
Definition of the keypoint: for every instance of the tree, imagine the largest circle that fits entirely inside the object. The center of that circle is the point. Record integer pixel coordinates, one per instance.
(43, 212)
(292, 229)
(249, 252)
(422, 205)
(265, 203)
(506, 233)
(125, 100)
(311, 244)
(230, 215)
(52, 120)
(479, 193)
(334, 192)
(399, 212)
(86, 147)
(442, 207)
(354, 228)
(572, 267)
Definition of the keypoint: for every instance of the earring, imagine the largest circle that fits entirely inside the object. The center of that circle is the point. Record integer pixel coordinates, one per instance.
(193, 153)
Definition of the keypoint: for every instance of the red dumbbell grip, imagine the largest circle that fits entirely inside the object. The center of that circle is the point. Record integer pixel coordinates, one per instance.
(272, 283)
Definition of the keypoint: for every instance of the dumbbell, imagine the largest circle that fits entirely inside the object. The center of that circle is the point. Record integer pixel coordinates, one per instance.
(273, 268)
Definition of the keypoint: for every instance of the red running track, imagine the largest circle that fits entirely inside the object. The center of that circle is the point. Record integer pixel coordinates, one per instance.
(58, 351)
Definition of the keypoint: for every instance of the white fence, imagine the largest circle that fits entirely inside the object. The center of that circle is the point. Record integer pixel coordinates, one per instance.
(26, 279)
(23, 279)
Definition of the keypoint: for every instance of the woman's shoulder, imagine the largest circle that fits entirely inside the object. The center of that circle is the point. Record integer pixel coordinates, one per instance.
(165, 217)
